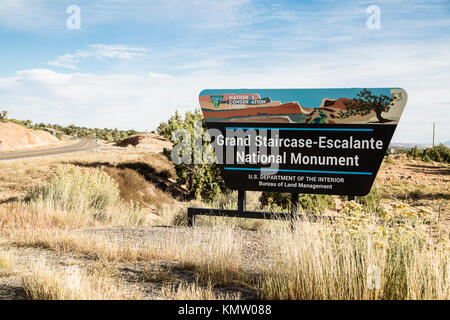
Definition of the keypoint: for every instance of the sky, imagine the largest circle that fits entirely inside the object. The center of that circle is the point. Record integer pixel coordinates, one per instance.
(132, 63)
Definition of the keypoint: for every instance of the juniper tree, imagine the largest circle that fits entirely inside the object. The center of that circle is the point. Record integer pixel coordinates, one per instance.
(201, 177)
(366, 102)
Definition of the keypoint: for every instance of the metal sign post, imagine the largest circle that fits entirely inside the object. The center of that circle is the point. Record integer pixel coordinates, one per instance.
(241, 212)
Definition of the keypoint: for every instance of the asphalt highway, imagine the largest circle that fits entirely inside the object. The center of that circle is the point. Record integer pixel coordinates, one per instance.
(81, 145)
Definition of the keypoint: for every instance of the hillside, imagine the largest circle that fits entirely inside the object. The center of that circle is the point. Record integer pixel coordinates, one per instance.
(16, 137)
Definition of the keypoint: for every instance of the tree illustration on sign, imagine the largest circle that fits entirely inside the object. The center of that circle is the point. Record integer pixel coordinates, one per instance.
(366, 102)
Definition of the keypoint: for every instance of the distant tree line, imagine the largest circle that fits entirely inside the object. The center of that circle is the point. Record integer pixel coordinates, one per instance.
(73, 130)
(440, 153)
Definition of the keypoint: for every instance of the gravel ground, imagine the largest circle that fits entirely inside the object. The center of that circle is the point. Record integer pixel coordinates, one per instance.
(254, 248)
(130, 276)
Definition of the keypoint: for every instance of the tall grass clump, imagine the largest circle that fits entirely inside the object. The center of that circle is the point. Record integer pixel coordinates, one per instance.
(214, 254)
(356, 258)
(193, 291)
(45, 283)
(89, 193)
(6, 262)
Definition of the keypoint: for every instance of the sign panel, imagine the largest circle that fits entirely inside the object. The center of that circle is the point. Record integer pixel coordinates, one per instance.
(324, 141)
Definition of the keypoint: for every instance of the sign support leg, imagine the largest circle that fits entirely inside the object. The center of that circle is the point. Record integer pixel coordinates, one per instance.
(191, 217)
(294, 207)
(242, 199)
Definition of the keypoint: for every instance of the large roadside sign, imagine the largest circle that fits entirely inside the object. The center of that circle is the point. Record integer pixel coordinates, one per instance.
(323, 141)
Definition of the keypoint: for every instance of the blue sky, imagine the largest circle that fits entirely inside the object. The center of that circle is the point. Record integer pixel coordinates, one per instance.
(134, 62)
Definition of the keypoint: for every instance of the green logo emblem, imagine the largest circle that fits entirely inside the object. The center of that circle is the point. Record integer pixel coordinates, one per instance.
(216, 100)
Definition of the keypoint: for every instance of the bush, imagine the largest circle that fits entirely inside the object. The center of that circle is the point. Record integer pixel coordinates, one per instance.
(440, 153)
(276, 200)
(371, 203)
(72, 188)
(308, 203)
(426, 158)
(86, 193)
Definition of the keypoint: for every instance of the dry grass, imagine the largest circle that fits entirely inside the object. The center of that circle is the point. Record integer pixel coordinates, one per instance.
(90, 246)
(18, 175)
(419, 183)
(135, 189)
(315, 261)
(45, 283)
(6, 263)
(20, 215)
(214, 256)
(90, 193)
(156, 273)
(160, 163)
(192, 291)
(342, 261)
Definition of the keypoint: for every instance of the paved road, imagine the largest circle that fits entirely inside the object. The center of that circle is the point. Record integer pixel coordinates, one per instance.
(81, 145)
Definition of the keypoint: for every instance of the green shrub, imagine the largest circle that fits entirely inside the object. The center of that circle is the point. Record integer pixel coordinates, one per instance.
(315, 203)
(440, 153)
(308, 203)
(371, 203)
(426, 158)
(202, 180)
(276, 201)
(414, 153)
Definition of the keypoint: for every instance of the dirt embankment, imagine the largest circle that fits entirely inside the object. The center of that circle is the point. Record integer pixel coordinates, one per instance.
(16, 137)
(151, 142)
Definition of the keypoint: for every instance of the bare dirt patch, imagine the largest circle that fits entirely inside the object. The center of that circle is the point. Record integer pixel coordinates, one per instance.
(16, 137)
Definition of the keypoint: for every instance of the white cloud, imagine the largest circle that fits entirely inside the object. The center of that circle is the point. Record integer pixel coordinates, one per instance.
(99, 52)
(158, 75)
(39, 15)
(210, 14)
(143, 101)
(291, 45)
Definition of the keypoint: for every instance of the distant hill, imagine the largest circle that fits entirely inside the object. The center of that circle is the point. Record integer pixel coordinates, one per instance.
(409, 145)
(16, 137)
(412, 145)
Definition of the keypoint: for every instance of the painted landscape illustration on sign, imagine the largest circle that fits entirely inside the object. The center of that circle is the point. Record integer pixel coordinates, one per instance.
(306, 106)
